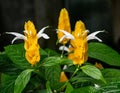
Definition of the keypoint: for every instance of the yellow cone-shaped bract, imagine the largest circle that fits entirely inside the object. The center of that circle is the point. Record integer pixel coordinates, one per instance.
(63, 24)
(99, 65)
(63, 77)
(31, 43)
(79, 44)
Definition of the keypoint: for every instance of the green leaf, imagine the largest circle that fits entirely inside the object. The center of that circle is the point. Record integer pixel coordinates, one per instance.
(7, 83)
(82, 79)
(51, 61)
(69, 88)
(66, 61)
(52, 75)
(70, 69)
(93, 72)
(111, 75)
(22, 80)
(43, 54)
(112, 87)
(47, 53)
(51, 52)
(7, 66)
(48, 87)
(17, 54)
(104, 53)
(88, 89)
(40, 91)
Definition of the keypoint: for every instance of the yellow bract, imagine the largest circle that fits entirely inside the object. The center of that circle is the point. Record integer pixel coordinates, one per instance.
(79, 29)
(63, 77)
(63, 24)
(30, 28)
(99, 65)
(31, 43)
(79, 44)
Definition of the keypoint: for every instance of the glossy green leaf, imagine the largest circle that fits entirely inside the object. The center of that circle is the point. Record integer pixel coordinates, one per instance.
(17, 54)
(112, 87)
(70, 69)
(43, 54)
(69, 88)
(111, 75)
(51, 61)
(82, 79)
(22, 80)
(51, 52)
(93, 72)
(48, 87)
(7, 66)
(88, 89)
(7, 83)
(66, 61)
(52, 75)
(104, 53)
(41, 91)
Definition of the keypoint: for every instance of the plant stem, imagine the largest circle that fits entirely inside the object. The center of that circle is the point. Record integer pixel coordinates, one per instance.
(62, 52)
(75, 71)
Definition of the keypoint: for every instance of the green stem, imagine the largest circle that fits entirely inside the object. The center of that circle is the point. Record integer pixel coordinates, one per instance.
(75, 71)
(62, 87)
(62, 52)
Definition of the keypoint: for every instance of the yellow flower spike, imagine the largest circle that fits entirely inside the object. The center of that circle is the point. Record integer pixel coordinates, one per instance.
(31, 35)
(31, 44)
(63, 24)
(31, 41)
(78, 56)
(79, 44)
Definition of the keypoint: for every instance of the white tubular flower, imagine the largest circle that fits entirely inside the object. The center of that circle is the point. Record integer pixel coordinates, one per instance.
(18, 36)
(89, 37)
(64, 48)
(93, 36)
(41, 34)
(23, 37)
(66, 35)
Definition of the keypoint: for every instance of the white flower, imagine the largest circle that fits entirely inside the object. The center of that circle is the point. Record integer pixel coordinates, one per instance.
(18, 36)
(93, 36)
(70, 36)
(23, 37)
(89, 37)
(64, 48)
(41, 34)
(66, 35)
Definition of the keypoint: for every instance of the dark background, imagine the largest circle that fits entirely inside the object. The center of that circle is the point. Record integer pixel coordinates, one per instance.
(96, 14)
